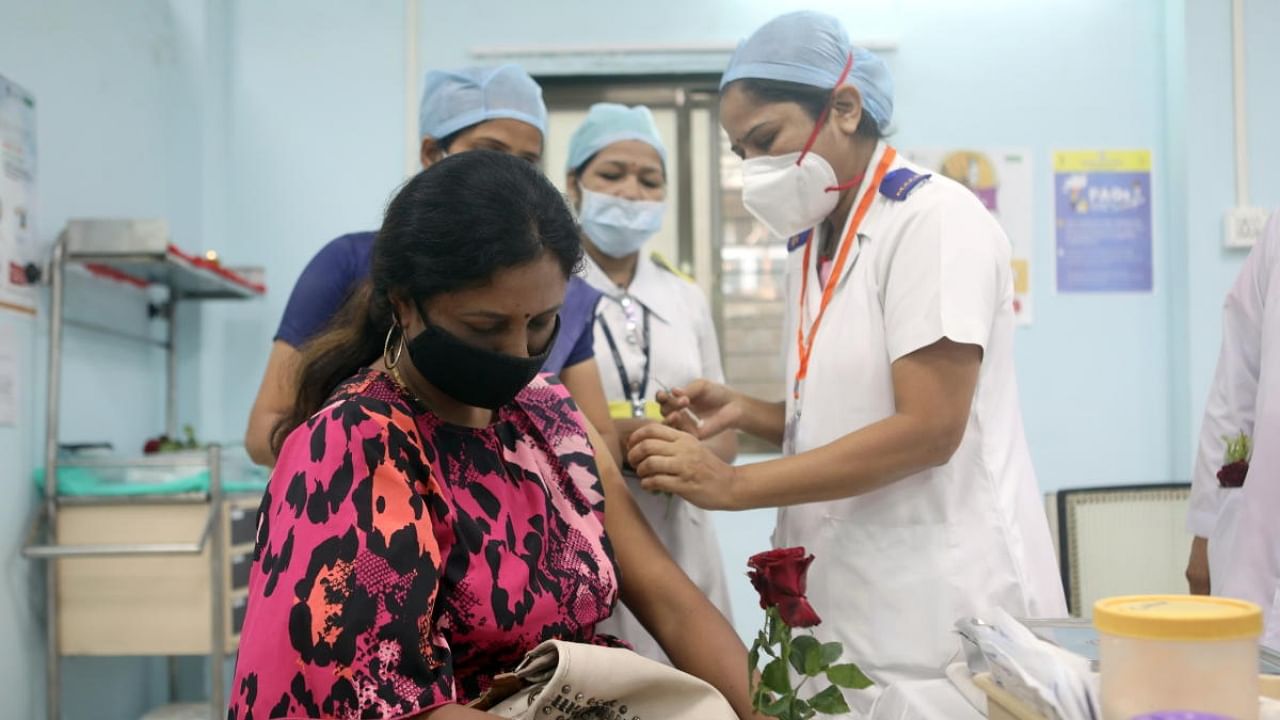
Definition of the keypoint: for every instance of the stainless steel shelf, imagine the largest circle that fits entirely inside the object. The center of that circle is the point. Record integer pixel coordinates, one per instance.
(187, 280)
(137, 253)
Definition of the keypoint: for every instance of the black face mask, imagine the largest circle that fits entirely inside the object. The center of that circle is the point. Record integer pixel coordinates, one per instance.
(471, 375)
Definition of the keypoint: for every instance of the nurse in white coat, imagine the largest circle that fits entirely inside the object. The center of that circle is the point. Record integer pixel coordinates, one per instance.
(652, 326)
(905, 469)
(1237, 548)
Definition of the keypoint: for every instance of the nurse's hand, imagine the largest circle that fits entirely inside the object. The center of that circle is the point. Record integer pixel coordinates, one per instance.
(1198, 567)
(668, 460)
(718, 407)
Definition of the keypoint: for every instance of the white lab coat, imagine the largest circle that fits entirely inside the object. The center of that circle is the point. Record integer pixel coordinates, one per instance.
(895, 568)
(684, 348)
(1240, 523)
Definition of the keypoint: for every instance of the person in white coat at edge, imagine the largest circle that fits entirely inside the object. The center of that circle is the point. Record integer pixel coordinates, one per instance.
(652, 327)
(1236, 551)
(905, 468)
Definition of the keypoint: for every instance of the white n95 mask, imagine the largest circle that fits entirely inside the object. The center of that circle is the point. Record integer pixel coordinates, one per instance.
(789, 193)
(618, 226)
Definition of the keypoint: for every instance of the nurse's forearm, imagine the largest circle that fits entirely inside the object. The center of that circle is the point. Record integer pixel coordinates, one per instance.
(766, 420)
(933, 391)
(855, 464)
(724, 445)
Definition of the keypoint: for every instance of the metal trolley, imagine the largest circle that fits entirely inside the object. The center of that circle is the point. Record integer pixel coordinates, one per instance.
(140, 574)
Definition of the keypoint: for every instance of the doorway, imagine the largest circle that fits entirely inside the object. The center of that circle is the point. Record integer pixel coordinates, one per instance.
(707, 232)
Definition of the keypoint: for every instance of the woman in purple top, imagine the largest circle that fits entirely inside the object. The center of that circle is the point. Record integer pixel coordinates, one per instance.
(437, 510)
(467, 109)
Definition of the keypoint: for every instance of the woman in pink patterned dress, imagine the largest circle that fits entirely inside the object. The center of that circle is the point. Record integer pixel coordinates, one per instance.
(436, 510)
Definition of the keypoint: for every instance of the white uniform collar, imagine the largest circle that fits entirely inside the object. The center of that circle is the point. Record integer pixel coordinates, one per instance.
(646, 287)
(876, 156)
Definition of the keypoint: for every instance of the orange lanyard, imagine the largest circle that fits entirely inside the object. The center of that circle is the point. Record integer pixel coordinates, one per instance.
(850, 238)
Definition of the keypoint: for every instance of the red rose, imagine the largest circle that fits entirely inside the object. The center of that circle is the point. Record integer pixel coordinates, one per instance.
(778, 575)
(1232, 475)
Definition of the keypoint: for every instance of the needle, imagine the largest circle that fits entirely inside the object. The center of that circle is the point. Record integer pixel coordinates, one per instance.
(692, 416)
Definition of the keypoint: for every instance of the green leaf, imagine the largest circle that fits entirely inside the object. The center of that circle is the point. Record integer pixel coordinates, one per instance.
(776, 677)
(848, 676)
(831, 652)
(753, 659)
(801, 710)
(806, 655)
(801, 648)
(779, 708)
(830, 702)
(1238, 448)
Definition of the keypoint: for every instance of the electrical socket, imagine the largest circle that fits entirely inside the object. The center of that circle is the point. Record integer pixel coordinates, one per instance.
(1243, 226)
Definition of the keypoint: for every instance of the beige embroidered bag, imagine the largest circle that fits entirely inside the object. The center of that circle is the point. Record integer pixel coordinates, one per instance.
(562, 681)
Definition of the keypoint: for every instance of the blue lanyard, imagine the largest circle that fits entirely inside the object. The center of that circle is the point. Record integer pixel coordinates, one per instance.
(635, 391)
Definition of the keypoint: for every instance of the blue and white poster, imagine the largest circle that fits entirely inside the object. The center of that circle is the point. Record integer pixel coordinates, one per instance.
(1103, 232)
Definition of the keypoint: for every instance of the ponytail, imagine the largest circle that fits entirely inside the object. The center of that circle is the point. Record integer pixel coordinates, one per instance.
(450, 227)
(353, 339)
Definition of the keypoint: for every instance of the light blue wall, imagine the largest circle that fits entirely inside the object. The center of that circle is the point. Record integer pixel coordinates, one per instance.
(296, 184)
(1084, 356)
(119, 89)
(262, 129)
(21, 669)
(451, 31)
(1112, 385)
(1210, 169)
(1039, 75)
(314, 134)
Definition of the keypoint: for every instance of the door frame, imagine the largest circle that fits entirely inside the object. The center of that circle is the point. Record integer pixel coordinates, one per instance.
(683, 93)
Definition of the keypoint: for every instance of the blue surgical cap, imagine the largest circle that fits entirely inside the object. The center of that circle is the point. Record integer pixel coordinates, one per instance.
(454, 100)
(608, 123)
(812, 49)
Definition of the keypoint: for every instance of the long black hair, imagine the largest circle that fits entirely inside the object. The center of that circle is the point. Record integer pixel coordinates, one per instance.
(814, 100)
(450, 228)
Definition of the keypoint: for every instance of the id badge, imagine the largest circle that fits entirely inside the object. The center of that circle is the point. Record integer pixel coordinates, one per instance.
(637, 401)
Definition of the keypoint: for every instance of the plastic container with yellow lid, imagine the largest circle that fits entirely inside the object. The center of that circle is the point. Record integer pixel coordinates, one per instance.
(1178, 651)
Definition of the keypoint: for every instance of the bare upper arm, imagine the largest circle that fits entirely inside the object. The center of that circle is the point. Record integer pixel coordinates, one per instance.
(583, 382)
(641, 556)
(276, 395)
(935, 385)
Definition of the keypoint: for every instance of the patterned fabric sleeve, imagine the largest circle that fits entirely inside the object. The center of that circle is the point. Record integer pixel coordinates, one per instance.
(344, 586)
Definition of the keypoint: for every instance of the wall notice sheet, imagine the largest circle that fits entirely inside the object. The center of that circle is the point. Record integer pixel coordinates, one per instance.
(1103, 229)
(19, 246)
(1001, 178)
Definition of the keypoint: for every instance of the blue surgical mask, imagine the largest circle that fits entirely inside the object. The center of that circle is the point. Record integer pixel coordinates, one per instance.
(618, 226)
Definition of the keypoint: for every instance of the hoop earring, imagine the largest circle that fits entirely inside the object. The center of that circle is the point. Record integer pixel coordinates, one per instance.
(387, 358)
